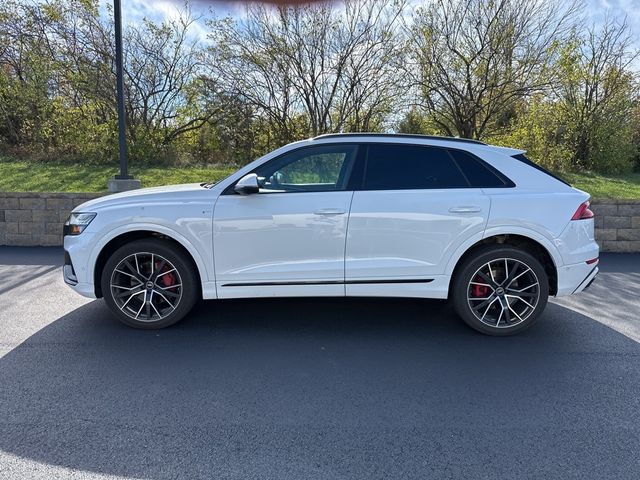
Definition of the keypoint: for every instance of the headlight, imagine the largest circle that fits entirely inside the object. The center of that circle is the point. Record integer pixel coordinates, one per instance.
(77, 222)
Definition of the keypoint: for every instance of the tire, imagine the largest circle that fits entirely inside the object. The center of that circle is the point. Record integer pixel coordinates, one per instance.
(162, 280)
(500, 290)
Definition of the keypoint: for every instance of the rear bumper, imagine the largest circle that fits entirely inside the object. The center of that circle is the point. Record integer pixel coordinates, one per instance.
(587, 283)
(575, 278)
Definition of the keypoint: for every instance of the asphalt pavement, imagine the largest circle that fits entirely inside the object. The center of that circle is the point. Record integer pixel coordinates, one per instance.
(315, 388)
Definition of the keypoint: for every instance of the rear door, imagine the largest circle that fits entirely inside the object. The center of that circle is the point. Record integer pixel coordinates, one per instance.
(414, 208)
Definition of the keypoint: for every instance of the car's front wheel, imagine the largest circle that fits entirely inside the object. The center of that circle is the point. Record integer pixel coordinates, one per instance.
(149, 284)
(500, 290)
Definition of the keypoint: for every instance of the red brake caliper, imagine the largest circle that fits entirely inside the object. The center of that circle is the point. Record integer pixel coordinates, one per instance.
(479, 291)
(168, 279)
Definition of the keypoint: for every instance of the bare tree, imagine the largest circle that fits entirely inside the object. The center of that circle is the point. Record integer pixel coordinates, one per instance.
(166, 92)
(313, 69)
(473, 60)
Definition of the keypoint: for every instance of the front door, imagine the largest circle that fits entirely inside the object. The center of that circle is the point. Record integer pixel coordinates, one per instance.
(289, 238)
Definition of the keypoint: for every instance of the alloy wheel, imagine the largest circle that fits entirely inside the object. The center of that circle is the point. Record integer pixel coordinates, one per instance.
(146, 286)
(503, 292)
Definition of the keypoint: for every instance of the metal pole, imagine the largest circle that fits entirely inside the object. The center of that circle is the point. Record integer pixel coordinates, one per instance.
(122, 140)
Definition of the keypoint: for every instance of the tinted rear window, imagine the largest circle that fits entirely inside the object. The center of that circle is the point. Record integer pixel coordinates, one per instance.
(524, 159)
(477, 172)
(403, 167)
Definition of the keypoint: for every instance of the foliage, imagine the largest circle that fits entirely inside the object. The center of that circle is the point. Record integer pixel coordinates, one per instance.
(527, 74)
(586, 122)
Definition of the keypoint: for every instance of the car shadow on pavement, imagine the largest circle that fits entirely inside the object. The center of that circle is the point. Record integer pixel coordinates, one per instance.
(324, 388)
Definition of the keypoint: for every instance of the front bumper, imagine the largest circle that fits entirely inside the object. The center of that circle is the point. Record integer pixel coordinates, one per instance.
(68, 272)
(74, 270)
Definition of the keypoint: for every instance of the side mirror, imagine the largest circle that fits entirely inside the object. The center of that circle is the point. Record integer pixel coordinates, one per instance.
(247, 185)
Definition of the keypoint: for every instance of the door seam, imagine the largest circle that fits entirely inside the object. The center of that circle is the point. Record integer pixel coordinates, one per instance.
(346, 239)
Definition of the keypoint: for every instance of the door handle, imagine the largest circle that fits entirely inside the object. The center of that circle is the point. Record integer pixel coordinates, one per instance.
(330, 211)
(465, 209)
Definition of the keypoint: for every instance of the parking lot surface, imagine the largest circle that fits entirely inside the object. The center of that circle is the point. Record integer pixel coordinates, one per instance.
(315, 388)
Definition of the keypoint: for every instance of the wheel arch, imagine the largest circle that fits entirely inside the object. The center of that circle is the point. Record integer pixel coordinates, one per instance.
(118, 240)
(518, 240)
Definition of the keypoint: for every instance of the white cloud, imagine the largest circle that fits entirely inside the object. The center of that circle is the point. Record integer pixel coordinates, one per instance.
(618, 9)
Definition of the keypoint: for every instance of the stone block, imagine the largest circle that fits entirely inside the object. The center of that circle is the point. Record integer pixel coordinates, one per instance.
(606, 234)
(598, 221)
(59, 203)
(9, 203)
(44, 215)
(48, 240)
(617, 222)
(17, 215)
(54, 228)
(77, 201)
(628, 234)
(9, 227)
(622, 246)
(630, 210)
(19, 240)
(604, 209)
(635, 222)
(31, 228)
(33, 203)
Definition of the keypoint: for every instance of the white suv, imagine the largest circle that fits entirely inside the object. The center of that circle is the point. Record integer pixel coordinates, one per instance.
(346, 214)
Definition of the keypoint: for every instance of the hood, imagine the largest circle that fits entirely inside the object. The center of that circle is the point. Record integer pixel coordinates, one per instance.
(186, 192)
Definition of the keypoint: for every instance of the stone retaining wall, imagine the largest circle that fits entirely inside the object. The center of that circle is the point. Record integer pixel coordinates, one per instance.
(36, 219)
(617, 225)
(29, 219)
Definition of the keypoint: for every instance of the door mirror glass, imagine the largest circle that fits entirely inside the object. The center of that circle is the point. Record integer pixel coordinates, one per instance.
(247, 185)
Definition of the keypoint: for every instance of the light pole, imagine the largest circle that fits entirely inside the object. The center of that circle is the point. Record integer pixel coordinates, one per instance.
(123, 181)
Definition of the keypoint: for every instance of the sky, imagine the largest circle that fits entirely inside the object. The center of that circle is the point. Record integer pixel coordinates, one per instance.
(618, 8)
(135, 10)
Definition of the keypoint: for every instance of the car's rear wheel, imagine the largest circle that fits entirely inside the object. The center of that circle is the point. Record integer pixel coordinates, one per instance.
(500, 290)
(149, 284)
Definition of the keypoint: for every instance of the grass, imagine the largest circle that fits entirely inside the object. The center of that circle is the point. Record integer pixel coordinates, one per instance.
(625, 187)
(26, 176)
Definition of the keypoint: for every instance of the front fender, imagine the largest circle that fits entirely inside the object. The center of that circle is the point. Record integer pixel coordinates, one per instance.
(204, 269)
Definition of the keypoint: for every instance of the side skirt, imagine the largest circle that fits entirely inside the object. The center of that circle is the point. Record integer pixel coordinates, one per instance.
(436, 287)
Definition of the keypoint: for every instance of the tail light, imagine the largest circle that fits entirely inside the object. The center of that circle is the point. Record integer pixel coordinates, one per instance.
(583, 212)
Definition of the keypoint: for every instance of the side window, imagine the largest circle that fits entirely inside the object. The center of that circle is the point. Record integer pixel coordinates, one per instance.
(403, 167)
(522, 158)
(478, 174)
(316, 169)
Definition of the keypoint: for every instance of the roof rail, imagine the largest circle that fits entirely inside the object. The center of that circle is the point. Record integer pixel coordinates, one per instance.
(402, 135)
